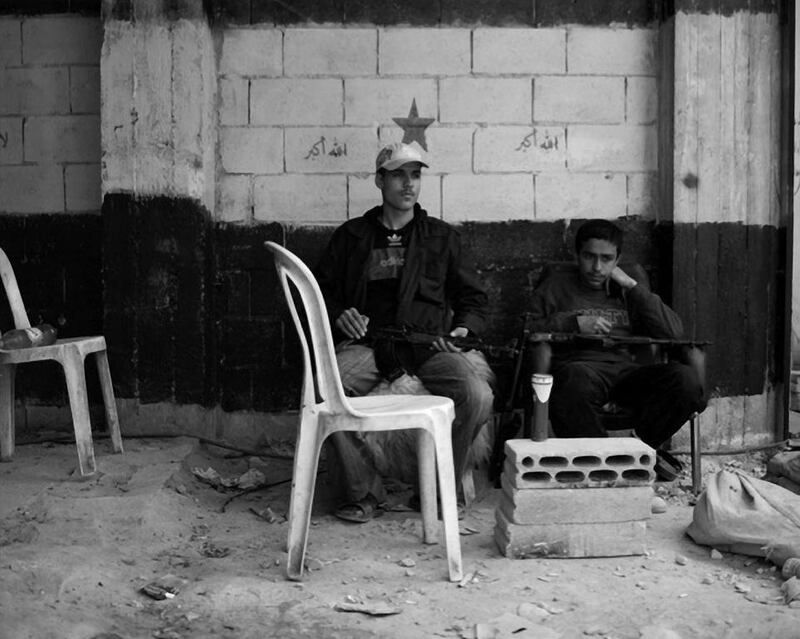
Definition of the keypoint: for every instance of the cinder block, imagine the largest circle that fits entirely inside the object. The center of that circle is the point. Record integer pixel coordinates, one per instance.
(643, 195)
(34, 91)
(251, 149)
(520, 149)
(10, 42)
(305, 199)
(519, 51)
(611, 539)
(580, 461)
(641, 100)
(611, 51)
(10, 140)
(84, 90)
(82, 187)
(424, 51)
(370, 100)
(449, 148)
(612, 148)
(579, 99)
(339, 52)
(252, 52)
(31, 189)
(234, 108)
(574, 505)
(330, 150)
(62, 40)
(235, 199)
(298, 101)
(65, 138)
(568, 195)
(487, 198)
(493, 100)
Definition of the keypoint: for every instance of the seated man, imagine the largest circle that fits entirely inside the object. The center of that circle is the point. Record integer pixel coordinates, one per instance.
(601, 299)
(397, 267)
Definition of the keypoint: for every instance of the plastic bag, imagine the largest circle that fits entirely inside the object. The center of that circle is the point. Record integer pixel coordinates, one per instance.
(738, 513)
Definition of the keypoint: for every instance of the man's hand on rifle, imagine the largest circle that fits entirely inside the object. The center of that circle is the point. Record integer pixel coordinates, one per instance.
(445, 345)
(352, 323)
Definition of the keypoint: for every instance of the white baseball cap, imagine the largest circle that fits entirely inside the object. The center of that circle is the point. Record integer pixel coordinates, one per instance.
(396, 155)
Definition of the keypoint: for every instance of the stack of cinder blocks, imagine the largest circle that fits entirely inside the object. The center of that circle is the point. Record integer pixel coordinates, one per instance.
(584, 497)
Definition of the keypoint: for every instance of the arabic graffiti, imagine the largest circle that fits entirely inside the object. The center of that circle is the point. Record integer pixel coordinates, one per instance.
(320, 148)
(549, 142)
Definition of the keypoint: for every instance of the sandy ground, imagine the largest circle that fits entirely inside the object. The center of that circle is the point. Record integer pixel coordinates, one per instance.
(74, 556)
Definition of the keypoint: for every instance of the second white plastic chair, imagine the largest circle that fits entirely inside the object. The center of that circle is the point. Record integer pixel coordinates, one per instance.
(325, 409)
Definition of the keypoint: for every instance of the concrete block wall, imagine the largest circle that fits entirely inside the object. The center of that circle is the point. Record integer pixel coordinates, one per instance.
(537, 124)
(50, 114)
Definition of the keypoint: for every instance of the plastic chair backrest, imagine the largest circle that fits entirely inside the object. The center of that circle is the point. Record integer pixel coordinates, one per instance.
(323, 365)
(12, 292)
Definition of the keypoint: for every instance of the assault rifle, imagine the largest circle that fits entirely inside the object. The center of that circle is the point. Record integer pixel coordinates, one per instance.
(421, 338)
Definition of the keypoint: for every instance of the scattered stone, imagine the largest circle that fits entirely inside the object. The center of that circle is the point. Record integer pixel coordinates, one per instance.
(596, 631)
(268, 515)
(791, 590)
(511, 625)
(708, 579)
(212, 550)
(407, 562)
(715, 554)
(312, 563)
(657, 632)
(375, 610)
(658, 505)
(165, 587)
(531, 611)
(681, 560)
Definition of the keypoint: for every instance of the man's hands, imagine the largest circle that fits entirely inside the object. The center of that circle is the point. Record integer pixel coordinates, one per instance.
(593, 324)
(352, 323)
(622, 278)
(445, 346)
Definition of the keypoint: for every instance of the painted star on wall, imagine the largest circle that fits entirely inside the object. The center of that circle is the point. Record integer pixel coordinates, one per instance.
(414, 126)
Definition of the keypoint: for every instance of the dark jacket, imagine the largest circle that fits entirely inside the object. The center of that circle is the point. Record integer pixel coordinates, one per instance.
(439, 287)
(559, 300)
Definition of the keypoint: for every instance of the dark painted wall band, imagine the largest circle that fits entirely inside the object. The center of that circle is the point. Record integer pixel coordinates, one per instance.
(419, 13)
(193, 313)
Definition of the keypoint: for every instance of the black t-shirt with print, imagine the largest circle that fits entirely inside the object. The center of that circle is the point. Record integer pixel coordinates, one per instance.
(385, 266)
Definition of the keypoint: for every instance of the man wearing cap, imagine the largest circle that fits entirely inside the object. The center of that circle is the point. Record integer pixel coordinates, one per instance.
(397, 267)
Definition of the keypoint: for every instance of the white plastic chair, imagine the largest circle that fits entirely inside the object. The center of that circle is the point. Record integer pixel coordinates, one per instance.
(70, 353)
(325, 409)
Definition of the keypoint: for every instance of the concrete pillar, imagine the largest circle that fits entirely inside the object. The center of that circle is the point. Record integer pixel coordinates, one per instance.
(158, 91)
(721, 184)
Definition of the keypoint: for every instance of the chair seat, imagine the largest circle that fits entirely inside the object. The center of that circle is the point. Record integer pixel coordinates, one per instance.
(399, 405)
(52, 351)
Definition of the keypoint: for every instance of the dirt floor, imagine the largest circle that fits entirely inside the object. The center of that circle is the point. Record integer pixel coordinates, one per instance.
(75, 556)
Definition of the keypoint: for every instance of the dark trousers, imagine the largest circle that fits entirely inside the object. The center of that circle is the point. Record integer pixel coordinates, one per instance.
(661, 397)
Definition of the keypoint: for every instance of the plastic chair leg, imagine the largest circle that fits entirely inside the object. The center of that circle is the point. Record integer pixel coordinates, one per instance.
(426, 459)
(7, 411)
(447, 488)
(110, 404)
(79, 405)
(306, 458)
